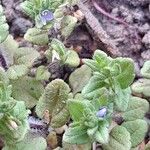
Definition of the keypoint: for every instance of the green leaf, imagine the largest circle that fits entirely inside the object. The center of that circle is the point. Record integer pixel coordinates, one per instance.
(30, 142)
(8, 49)
(72, 58)
(14, 125)
(145, 71)
(137, 130)
(16, 71)
(77, 108)
(76, 135)
(79, 78)
(126, 77)
(42, 73)
(94, 88)
(59, 47)
(60, 119)
(3, 77)
(119, 139)
(67, 25)
(100, 60)
(142, 86)
(122, 97)
(54, 101)
(102, 135)
(67, 146)
(3, 26)
(27, 89)
(26, 56)
(37, 36)
(136, 109)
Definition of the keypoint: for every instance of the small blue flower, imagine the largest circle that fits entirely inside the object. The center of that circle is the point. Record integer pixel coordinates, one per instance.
(46, 16)
(102, 112)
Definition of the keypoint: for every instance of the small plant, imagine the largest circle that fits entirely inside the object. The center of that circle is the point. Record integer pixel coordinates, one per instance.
(106, 94)
(142, 86)
(52, 104)
(13, 114)
(48, 14)
(95, 100)
(66, 56)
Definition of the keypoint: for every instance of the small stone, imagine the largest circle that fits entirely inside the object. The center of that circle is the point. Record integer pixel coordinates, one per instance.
(61, 129)
(146, 40)
(13, 124)
(146, 55)
(52, 140)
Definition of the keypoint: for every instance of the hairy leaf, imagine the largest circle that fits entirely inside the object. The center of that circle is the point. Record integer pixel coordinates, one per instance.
(145, 71)
(54, 101)
(8, 49)
(37, 36)
(42, 73)
(27, 89)
(142, 86)
(136, 109)
(122, 97)
(16, 71)
(137, 130)
(29, 142)
(26, 56)
(79, 78)
(67, 25)
(76, 135)
(119, 139)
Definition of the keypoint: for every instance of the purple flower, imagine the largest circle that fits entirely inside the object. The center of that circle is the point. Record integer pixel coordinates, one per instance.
(102, 112)
(46, 16)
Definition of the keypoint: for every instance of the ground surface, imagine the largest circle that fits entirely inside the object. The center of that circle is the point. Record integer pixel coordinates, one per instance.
(129, 36)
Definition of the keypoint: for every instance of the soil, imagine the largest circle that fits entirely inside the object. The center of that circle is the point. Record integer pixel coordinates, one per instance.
(131, 40)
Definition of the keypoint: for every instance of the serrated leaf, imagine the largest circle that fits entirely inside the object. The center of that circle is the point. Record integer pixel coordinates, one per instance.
(122, 97)
(54, 101)
(8, 50)
(61, 118)
(42, 73)
(136, 109)
(79, 78)
(16, 71)
(37, 36)
(102, 135)
(67, 146)
(76, 135)
(27, 89)
(67, 25)
(14, 125)
(3, 76)
(145, 71)
(126, 77)
(77, 108)
(142, 86)
(119, 139)
(58, 47)
(137, 130)
(94, 88)
(26, 56)
(72, 58)
(30, 142)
